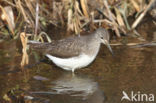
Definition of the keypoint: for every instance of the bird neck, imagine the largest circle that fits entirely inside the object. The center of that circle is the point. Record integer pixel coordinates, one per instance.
(93, 45)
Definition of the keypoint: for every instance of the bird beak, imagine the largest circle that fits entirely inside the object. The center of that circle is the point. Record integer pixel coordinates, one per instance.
(108, 46)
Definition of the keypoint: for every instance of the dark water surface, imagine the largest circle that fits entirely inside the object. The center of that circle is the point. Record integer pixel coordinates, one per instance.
(130, 69)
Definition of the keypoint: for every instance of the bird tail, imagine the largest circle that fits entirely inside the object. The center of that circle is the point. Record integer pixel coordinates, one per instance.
(36, 45)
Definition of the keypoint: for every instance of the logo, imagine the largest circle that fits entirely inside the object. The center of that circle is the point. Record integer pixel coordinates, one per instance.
(137, 97)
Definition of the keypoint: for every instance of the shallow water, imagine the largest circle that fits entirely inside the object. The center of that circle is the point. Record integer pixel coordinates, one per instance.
(130, 69)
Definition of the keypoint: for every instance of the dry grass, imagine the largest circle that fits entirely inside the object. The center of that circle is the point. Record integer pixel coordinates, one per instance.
(74, 14)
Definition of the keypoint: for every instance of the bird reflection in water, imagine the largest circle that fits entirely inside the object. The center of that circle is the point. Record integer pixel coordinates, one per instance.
(77, 87)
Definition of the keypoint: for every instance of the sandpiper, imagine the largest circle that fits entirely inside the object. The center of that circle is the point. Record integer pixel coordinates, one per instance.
(74, 52)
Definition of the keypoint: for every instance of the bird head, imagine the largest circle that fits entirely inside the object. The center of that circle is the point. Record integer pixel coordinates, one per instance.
(103, 36)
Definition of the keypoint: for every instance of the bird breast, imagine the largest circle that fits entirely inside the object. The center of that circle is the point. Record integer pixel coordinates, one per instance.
(74, 62)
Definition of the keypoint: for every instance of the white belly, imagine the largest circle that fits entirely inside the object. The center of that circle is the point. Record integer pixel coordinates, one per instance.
(72, 63)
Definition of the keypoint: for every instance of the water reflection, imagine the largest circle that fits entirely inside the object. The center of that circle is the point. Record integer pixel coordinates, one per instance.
(69, 84)
(77, 89)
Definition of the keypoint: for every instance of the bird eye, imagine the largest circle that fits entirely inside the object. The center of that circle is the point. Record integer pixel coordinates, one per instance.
(101, 37)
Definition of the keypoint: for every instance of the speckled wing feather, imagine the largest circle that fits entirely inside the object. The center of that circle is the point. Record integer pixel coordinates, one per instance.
(64, 48)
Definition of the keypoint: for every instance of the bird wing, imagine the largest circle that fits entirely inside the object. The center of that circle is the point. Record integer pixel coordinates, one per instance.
(64, 48)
